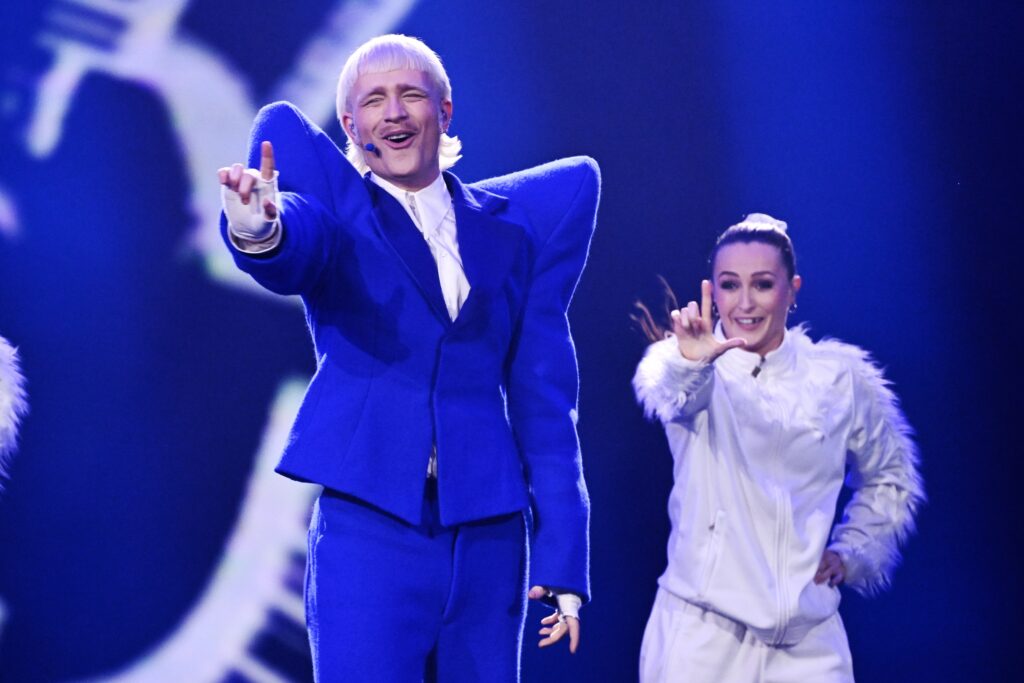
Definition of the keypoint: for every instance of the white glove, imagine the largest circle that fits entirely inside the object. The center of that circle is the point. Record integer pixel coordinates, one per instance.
(249, 221)
(569, 604)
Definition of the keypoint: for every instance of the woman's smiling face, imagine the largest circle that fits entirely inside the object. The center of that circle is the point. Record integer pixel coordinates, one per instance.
(753, 294)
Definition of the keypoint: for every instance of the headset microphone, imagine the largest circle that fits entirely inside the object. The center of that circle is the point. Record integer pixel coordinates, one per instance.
(372, 148)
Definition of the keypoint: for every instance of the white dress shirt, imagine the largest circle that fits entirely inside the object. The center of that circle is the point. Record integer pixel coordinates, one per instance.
(432, 213)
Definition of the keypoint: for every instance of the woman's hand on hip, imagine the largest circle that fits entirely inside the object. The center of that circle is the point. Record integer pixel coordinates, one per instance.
(830, 569)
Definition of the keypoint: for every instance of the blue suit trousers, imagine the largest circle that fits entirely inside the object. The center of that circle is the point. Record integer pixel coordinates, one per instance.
(391, 602)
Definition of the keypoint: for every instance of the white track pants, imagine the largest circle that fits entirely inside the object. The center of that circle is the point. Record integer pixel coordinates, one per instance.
(684, 643)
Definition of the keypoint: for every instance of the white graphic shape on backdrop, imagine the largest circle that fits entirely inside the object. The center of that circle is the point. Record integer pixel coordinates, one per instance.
(9, 224)
(250, 581)
(211, 108)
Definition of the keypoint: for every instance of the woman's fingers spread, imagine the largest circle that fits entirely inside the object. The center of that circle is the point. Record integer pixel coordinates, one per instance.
(684, 321)
(685, 324)
(677, 322)
(696, 324)
(705, 302)
(734, 343)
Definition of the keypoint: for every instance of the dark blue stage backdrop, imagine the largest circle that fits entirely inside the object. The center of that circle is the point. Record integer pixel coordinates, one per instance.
(143, 536)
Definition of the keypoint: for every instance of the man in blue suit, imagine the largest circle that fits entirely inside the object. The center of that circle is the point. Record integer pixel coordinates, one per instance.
(441, 421)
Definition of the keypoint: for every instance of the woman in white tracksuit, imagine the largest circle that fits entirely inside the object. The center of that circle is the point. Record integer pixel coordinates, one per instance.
(762, 422)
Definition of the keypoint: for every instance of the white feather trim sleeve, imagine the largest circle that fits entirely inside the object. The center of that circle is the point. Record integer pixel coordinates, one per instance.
(883, 462)
(13, 404)
(668, 385)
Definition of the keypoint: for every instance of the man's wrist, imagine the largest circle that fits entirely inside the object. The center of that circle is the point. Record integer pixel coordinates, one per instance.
(249, 245)
(568, 604)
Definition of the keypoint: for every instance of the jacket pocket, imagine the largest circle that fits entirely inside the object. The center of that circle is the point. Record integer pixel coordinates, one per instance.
(712, 553)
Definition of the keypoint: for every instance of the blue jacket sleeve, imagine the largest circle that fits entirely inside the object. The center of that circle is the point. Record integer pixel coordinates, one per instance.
(560, 201)
(320, 194)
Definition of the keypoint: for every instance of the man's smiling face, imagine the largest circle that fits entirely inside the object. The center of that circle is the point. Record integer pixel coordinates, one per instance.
(402, 115)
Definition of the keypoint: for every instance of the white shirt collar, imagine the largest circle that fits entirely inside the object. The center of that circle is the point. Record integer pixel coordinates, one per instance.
(433, 203)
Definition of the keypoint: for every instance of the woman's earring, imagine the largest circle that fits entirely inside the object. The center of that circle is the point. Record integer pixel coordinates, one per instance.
(792, 307)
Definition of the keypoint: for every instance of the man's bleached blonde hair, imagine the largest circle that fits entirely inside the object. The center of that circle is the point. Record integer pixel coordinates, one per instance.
(394, 52)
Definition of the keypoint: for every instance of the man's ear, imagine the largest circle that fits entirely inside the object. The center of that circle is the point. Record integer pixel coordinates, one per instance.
(446, 115)
(348, 124)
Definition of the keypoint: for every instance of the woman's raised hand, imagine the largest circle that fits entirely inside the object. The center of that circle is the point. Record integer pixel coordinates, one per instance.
(694, 330)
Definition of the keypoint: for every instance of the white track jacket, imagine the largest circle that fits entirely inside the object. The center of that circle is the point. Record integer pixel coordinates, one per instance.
(760, 449)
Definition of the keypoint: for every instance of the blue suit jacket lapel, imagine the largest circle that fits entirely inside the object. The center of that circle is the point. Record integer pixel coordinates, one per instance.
(405, 238)
(487, 244)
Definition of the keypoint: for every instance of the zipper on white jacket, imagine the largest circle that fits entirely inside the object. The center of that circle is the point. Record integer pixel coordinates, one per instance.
(785, 515)
(783, 509)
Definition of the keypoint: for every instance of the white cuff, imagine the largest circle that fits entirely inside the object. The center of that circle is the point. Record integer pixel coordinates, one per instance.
(665, 380)
(249, 246)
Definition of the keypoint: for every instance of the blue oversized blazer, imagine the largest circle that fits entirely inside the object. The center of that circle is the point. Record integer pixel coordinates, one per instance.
(495, 390)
